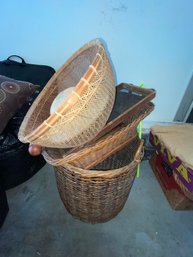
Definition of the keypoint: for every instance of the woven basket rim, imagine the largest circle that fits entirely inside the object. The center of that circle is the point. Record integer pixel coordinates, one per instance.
(107, 173)
(98, 144)
(86, 173)
(56, 116)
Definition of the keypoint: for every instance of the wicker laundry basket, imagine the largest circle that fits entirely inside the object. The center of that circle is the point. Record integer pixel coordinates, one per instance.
(98, 195)
(93, 153)
(86, 110)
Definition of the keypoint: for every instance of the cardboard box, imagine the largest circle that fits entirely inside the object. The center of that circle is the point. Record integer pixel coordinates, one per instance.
(173, 193)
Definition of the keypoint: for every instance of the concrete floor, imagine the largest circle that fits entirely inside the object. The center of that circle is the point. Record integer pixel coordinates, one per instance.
(38, 224)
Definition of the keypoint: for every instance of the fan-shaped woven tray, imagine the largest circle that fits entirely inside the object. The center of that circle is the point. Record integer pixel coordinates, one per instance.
(98, 195)
(83, 114)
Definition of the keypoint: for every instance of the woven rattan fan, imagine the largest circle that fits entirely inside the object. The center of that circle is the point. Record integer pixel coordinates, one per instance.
(85, 111)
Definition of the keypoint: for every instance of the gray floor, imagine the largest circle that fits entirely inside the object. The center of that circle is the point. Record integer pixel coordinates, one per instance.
(38, 224)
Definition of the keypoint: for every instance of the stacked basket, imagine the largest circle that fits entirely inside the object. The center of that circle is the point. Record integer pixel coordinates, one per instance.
(91, 139)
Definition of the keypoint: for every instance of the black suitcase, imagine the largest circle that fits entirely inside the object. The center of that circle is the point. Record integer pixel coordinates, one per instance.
(16, 165)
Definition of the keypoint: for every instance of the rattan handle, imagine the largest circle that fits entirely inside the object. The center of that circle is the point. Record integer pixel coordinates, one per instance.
(140, 152)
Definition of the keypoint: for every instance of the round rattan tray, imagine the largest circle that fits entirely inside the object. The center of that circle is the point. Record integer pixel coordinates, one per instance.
(84, 113)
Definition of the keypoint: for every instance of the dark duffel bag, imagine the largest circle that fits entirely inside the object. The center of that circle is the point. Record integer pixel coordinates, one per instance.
(16, 164)
(3, 205)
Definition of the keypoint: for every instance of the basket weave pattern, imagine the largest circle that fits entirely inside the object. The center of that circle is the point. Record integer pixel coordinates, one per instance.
(92, 154)
(98, 195)
(90, 111)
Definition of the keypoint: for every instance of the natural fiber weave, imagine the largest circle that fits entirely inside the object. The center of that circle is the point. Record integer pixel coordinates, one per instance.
(82, 116)
(98, 195)
(92, 154)
(128, 100)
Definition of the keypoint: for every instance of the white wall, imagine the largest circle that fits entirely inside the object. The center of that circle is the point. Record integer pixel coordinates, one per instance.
(149, 40)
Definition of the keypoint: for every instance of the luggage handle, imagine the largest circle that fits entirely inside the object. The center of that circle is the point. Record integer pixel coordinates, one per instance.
(140, 152)
(17, 56)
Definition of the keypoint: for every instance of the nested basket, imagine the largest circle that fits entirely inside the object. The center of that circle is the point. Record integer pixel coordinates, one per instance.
(98, 195)
(82, 115)
(132, 104)
(92, 154)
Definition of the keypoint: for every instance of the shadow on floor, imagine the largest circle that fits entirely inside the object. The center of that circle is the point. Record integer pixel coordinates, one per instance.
(38, 224)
